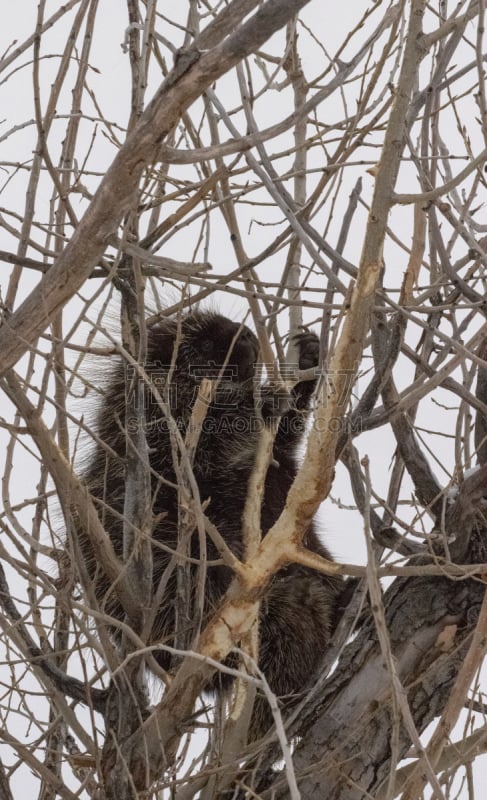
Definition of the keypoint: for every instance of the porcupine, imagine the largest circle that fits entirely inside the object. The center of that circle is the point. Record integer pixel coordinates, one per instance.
(298, 610)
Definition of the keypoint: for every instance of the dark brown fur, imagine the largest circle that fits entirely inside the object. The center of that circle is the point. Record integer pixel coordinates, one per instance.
(297, 613)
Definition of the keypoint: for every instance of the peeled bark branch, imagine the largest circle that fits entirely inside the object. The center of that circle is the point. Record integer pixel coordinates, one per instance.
(313, 484)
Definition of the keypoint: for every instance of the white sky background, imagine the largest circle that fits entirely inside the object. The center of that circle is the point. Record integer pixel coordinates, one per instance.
(330, 24)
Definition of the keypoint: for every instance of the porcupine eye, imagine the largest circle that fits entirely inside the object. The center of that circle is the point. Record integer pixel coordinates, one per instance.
(206, 346)
(208, 360)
